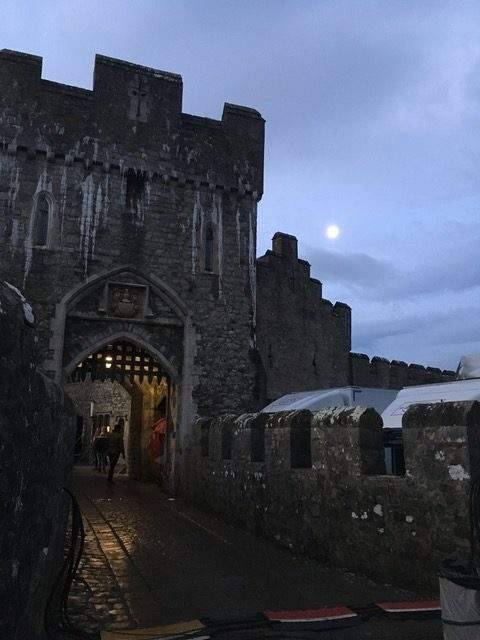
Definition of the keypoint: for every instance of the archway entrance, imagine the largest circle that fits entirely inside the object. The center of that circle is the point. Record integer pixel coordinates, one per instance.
(123, 383)
(125, 305)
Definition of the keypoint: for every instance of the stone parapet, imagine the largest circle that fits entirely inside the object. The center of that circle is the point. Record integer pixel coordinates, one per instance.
(131, 119)
(381, 373)
(319, 488)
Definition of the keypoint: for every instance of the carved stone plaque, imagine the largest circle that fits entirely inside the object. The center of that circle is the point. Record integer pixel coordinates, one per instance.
(126, 301)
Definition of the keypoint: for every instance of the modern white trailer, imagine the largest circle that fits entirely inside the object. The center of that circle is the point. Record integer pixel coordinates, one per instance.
(390, 403)
(460, 390)
(379, 399)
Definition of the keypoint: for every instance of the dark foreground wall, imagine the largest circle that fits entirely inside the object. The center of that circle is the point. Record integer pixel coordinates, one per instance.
(336, 505)
(36, 443)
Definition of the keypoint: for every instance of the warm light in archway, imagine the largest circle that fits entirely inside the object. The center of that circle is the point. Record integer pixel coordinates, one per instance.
(117, 360)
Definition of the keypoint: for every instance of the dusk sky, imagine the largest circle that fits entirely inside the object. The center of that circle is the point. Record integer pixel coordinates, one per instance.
(373, 124)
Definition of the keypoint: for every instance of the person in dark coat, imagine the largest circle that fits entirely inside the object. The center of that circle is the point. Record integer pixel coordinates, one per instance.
(100, 444)
(115, 447)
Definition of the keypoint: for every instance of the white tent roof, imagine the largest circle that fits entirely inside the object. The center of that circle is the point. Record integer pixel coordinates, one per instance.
(469, 367)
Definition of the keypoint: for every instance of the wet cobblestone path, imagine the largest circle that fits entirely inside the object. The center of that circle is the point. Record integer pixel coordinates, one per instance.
(96, 601)
(152, 560)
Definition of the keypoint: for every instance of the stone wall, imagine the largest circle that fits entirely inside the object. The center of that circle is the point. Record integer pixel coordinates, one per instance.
(314, 483)
(108, 398)
(37, 431)
(132, 181)
(379, 372)
(303, 340)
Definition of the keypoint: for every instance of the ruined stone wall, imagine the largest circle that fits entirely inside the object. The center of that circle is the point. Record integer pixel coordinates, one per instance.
(303, 339)
(131, 180)
(37, 432)
(314, 483)
(379, 372)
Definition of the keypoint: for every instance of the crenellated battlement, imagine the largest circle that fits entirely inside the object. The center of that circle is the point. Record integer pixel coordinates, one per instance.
(303, 339)
(132, 114)
(21, 58)
(315, 483)
(136, 68)
(395, 374)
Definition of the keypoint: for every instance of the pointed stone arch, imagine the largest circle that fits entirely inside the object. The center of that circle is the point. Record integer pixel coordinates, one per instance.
(158, 321)
(82, 289)
(55, 364)
(129, 336)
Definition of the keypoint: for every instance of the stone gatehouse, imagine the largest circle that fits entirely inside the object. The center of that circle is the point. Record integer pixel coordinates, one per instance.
(131, 227)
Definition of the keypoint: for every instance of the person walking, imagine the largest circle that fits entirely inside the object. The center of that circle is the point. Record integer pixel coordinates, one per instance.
(100, 444)
(115, 447)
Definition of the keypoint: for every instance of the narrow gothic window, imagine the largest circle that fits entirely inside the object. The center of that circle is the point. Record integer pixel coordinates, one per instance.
(135, 190)
(3, 215)
(209, 248)
(42, 220)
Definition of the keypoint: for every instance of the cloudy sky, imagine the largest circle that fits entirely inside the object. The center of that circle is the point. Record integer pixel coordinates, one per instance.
(373, 114)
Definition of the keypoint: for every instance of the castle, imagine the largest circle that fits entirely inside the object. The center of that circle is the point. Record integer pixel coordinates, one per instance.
(131, 228)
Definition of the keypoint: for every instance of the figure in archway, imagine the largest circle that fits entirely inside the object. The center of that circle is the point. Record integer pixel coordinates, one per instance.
(100, 446)
(115, 448)
(157, 438)
(121, 380)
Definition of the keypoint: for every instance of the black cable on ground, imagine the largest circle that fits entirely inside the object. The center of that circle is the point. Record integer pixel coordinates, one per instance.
(58, 624)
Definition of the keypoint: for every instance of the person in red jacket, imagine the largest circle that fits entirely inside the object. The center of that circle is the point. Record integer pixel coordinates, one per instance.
(157, 439)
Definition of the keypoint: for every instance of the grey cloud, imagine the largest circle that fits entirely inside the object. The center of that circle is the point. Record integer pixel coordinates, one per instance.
(455, 325)
(435, 339)
(355, 270)
(458, 269)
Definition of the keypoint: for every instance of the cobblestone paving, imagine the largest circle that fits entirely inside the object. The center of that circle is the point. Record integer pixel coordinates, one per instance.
(96, 601)
(150, 560)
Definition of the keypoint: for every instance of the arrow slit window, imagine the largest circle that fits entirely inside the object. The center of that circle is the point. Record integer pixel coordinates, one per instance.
(209, 248)
(42, 222)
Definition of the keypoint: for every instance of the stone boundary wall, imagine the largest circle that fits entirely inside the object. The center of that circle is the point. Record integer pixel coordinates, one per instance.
(341, 509)
(381, 373)
(37, 432)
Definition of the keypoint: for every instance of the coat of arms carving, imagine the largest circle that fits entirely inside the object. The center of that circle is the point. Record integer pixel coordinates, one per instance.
(126, 301)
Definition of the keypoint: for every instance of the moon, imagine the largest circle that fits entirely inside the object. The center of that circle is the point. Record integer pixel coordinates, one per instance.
(332, 232)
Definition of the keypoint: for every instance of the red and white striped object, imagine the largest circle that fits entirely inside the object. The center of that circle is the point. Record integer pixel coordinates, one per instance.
(420, 606)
